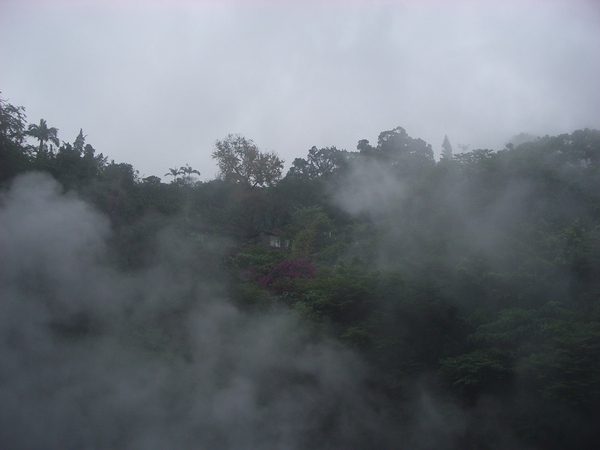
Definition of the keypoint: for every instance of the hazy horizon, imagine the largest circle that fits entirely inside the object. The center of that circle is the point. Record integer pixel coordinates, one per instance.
(155, 85)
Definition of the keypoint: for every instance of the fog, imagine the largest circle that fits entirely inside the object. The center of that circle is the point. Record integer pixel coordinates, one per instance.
(453, 303)
(93, 358)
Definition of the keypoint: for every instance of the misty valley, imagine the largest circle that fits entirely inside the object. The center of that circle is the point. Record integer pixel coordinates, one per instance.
(371, 299)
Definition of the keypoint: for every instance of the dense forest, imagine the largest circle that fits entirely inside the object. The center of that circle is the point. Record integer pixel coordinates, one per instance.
(374, 298)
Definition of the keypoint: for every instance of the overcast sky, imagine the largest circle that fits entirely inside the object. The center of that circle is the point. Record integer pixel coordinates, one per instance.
(154, 84)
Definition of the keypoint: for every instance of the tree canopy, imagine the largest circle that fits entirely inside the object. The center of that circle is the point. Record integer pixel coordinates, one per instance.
(240, 161)
(44, 134)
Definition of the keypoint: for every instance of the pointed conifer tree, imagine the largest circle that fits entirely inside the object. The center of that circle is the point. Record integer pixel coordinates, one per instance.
(446, 149)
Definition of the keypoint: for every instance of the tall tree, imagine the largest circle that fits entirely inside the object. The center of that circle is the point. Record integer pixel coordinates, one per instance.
(446, 149)
(13, 158)
(188, 173)
(43, 134)
(79, 143)
(12, 122)
(173, 172)
(240, 161)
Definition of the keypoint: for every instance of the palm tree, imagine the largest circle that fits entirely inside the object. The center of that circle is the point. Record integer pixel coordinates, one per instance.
(187, 171)
(173, 173)
(44, 134)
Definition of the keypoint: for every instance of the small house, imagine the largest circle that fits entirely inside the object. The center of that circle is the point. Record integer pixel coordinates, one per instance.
(274, 239)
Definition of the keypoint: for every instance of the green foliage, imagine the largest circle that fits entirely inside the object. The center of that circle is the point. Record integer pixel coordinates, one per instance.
(311, 230)
(358, 336)
(344, 293)
(566, 366)
(43, 134)
(409, 156)
(13, 156)
(446, 149)
(415, 327)
(255, 261)
(157, 197)
(241, 161)
(251, 296)
(12, 122)
(324, 162)
(185, 172)
(76, 165)
(480, 273)
(509, 331)
(555, 350)
(478, 372)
